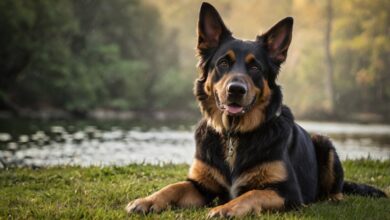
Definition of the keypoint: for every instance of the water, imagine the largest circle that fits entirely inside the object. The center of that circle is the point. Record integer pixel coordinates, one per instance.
(37, 143)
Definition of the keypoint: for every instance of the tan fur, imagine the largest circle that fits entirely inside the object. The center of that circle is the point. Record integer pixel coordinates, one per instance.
(250, 120)
(262, 174)
(249, 58)
(208, 107)
(208, 86)
(231, 55)
(214, 114)
(329, 177)
(252, 201)
(181, 194)
(207, 176)
(336, 197)
(270, 172)
(256, 116)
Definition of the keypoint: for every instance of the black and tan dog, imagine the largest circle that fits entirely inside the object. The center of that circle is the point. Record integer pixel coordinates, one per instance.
(249, 152)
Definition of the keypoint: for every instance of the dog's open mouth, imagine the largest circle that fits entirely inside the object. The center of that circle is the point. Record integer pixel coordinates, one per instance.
(234, 109)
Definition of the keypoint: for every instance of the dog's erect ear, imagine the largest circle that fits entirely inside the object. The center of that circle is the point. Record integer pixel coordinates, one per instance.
(211, 29)
(278, 39)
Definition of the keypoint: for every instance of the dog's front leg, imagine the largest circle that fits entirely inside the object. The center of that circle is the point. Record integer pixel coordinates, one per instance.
(251, 202)
(181, 194)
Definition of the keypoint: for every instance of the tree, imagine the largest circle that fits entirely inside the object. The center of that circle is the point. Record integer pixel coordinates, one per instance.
(328, 56)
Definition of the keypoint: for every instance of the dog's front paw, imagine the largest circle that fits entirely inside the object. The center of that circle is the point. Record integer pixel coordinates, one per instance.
(146, 205)
(232, 210)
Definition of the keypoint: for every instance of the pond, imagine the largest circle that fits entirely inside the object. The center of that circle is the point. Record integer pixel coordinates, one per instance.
(45, 143)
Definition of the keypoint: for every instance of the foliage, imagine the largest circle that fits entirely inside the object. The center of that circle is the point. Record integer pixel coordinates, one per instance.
(111, 55)
(102, 193)
(362, 49)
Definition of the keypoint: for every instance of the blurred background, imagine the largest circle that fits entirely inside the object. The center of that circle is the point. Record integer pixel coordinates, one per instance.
(80, 75)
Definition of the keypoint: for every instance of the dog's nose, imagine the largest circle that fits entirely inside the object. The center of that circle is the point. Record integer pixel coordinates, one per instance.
(236, 88)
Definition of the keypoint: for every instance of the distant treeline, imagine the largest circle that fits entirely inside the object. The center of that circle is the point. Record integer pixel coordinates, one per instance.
(80, 55)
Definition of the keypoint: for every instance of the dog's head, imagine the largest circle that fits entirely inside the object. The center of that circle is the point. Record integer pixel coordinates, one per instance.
(236, 88)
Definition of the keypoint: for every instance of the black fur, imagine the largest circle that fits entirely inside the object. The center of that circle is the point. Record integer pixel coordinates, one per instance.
(323, 148)
(248, 147)
(278, 137)
(362, 190)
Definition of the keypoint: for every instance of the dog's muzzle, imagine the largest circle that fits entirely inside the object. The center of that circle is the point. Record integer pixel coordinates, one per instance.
(232, 108)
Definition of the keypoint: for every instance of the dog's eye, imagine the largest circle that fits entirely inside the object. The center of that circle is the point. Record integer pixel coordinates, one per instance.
(254, 69)
(223, 64)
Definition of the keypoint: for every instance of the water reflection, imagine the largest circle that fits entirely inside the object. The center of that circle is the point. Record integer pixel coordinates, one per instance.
(93, 145)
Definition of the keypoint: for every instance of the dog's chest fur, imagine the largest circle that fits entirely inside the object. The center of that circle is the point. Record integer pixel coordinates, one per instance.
(254, 177)
(236, 164)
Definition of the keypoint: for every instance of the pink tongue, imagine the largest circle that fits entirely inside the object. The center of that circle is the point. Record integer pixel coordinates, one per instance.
(233, 109)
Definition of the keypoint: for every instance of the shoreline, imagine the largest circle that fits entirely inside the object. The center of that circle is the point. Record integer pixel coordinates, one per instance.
(169, 115)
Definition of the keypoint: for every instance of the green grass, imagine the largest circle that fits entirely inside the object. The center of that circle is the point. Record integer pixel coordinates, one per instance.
(102, 193)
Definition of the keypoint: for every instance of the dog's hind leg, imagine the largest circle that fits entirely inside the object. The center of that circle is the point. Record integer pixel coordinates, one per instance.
(331, 175)
(330, 171)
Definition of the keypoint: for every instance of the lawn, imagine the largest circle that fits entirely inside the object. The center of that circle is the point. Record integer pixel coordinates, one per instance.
(102, 193)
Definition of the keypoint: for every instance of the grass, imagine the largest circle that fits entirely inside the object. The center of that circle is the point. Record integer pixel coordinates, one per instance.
(102, 193)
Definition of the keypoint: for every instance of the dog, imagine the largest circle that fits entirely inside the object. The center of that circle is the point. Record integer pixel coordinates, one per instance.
(250, 154)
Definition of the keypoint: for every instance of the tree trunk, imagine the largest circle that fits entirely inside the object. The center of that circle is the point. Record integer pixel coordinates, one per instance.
(329, 87)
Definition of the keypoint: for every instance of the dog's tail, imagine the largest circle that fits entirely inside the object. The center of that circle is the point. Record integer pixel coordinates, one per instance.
(362, 190)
